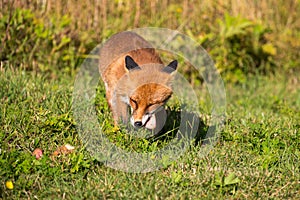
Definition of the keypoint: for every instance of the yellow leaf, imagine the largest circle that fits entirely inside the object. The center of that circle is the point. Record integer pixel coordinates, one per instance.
(269, 49)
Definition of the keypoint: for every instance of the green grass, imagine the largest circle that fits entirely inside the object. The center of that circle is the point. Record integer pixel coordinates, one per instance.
(257, 155)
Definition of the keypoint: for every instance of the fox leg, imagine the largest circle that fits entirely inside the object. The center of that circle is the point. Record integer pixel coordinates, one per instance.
(119, 110)
(112, 106)
(122, 112)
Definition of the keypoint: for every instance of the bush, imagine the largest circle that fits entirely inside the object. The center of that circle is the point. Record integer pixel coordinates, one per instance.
(241, 48)
(32, 44)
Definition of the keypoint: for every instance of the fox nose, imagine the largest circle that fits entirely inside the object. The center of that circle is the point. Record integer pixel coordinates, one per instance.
(138, 123)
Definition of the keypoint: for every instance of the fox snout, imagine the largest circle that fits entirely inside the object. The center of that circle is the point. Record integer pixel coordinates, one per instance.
(147, 120)
(152, 121)
(140, 116)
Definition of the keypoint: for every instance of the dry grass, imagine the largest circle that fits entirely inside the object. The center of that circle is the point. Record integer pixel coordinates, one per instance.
(92, 21)
(100, 14)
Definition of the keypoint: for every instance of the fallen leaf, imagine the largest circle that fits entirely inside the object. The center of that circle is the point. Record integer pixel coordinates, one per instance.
(38, 153)
(65, 149)
(69, 147)
(231, 179)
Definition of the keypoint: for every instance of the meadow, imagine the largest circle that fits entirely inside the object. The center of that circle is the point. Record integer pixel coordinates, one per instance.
(255, 46)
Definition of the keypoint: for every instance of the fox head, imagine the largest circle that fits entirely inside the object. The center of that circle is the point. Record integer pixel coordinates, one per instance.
(146, 89)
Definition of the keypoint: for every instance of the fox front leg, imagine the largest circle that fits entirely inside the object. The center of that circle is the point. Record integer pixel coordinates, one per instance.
(120, 111)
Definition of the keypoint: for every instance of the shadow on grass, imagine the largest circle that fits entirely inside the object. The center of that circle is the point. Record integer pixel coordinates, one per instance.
(190, 123)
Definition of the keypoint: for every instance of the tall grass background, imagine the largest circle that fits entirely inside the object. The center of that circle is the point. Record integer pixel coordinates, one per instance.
(243, 37)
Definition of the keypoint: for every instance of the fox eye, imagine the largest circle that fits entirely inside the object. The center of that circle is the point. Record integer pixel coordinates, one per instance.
(134, 102)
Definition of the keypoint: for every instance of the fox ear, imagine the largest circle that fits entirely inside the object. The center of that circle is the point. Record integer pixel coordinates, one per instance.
(130, 64)
(172, 66)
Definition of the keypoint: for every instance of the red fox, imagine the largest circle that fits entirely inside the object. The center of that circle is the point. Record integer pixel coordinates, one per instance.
(135, 79)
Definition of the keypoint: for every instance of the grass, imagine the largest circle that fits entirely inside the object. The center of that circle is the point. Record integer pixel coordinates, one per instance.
(257, 156)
